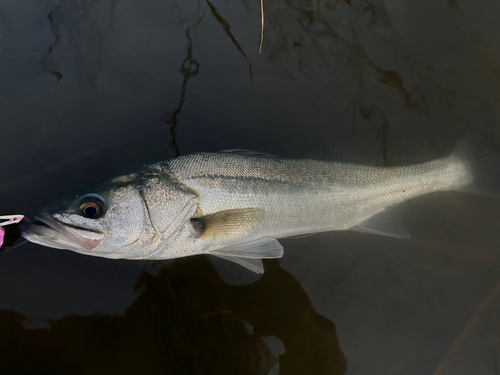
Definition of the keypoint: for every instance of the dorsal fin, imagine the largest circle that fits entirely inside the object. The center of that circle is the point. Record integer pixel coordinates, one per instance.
(239, 151)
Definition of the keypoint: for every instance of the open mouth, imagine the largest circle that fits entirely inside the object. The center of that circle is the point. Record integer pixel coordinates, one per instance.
(50, 232)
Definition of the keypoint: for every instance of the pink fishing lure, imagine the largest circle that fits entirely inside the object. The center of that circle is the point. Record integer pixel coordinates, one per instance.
(7, 220)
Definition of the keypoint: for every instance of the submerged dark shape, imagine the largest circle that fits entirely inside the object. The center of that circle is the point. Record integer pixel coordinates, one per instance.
(186, 321)
(78, 26)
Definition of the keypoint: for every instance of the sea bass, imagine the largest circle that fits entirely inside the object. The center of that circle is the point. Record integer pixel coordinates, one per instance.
(236, 205)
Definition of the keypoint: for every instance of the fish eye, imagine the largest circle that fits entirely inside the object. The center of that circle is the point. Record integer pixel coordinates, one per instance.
(92, 206)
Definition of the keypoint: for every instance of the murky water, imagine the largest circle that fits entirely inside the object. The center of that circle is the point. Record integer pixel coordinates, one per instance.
(90, 87)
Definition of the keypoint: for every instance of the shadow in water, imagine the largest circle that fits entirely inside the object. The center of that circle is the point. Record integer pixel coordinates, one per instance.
(185, 321)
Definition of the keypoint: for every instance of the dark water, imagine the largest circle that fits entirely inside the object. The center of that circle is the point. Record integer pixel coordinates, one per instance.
(90, 87)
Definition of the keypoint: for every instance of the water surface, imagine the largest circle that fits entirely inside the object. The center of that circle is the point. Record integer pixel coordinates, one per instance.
(88, 88)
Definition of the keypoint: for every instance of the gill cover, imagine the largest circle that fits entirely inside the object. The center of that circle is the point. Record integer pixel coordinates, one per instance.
(169, 203)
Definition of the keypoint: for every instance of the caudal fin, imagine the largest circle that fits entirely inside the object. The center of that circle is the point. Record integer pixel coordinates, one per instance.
(482, 163)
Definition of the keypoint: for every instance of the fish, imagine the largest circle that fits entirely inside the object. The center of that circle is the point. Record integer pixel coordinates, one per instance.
(237, 204)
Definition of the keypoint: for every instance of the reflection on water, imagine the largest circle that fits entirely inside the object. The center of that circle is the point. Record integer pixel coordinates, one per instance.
(185, 321)
(189, 68)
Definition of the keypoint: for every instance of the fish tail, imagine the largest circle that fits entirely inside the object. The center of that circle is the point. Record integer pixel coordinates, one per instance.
(482, 165)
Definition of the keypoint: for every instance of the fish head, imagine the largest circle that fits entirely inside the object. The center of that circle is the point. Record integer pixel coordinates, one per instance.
(125, 218)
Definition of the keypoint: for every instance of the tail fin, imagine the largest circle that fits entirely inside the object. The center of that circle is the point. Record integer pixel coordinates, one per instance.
(483, 164)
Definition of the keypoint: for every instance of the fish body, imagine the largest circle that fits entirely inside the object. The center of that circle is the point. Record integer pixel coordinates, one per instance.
(236, 205)
(305, 196)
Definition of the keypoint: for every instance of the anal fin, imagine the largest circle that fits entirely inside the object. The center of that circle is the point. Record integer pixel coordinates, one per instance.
(385, 223)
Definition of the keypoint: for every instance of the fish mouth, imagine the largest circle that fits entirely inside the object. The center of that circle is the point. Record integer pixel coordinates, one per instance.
(47, 231)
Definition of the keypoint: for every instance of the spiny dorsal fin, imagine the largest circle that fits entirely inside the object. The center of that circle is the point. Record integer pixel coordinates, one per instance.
(227, 224)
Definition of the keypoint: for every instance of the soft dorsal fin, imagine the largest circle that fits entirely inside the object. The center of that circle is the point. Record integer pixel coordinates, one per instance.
(239, 151)
(300, 236)
(249, 254)
(329, 153)
(386, 223)
(227, 224)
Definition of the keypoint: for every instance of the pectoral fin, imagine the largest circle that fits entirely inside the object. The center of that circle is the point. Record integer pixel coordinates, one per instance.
(227, 224)
(249, 254)
(386, 223)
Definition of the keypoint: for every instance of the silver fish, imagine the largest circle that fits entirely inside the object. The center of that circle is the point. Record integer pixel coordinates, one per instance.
(235, 205)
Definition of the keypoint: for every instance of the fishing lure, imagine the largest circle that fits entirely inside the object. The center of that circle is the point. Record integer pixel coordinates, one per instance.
(5, 231)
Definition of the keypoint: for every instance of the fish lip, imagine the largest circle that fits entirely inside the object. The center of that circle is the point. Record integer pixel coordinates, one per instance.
(65, 234)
